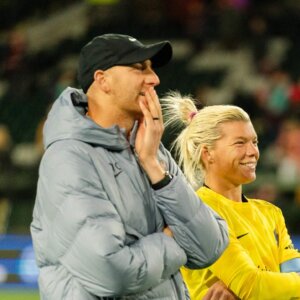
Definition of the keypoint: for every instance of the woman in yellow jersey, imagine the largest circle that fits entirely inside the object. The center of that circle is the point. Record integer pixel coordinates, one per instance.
(218, 151)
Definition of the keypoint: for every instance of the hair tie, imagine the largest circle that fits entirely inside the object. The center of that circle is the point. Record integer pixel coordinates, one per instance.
(192, 115)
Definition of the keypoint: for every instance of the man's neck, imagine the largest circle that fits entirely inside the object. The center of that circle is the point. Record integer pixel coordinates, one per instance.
(108, 118)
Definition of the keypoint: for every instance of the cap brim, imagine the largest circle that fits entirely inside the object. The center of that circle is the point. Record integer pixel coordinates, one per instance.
(159, 54)
(162, 54)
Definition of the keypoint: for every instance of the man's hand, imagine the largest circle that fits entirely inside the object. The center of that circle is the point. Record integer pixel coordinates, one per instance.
(219, 291)
(149, 135)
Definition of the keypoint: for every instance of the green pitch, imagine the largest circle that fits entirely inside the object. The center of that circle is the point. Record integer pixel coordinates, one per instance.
(19, 295)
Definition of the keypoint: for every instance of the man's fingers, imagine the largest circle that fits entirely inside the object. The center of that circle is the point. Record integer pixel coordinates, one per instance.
(154, 105)
(145, 110)
(156, 102)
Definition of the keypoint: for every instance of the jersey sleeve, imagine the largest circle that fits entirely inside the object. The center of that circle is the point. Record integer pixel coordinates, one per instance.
(287, 250)
(237, 270)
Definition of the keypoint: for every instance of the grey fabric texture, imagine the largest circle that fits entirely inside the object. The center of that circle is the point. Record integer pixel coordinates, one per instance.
(97, 223)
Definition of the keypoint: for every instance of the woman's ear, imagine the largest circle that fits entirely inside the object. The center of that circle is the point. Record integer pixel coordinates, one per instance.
(207, 155)
(101, 79)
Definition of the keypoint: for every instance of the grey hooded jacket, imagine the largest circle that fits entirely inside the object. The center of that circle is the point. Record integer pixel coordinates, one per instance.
(97, 223)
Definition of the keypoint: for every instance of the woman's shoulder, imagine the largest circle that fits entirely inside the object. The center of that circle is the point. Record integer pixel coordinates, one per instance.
(263, 204)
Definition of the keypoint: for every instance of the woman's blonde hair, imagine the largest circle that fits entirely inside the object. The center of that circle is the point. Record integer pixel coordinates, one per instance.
(202, 128)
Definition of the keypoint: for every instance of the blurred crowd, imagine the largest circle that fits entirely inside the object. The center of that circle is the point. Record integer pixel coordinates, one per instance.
(243, 52)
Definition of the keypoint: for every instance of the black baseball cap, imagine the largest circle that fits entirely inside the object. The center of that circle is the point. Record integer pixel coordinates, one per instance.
(108, 50)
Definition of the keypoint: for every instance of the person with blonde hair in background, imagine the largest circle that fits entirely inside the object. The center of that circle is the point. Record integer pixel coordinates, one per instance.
(218, 152)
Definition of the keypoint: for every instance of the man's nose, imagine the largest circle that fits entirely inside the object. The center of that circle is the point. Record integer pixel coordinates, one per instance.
(152, 78)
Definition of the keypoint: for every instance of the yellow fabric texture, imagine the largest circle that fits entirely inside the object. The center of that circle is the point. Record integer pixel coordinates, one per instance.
(259, 243)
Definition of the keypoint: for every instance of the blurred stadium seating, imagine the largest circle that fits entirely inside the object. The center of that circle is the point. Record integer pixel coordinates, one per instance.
(244, 52)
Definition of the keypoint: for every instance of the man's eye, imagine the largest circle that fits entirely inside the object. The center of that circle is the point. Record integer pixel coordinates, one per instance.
(138, 67)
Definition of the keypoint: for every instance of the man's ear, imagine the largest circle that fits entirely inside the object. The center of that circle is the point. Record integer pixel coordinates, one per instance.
(101, 80)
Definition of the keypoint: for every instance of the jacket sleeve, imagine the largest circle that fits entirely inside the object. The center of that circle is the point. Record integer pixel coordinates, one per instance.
(200, 231)
(86, 234)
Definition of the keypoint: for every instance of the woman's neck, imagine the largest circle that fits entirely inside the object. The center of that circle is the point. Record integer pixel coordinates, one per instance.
(229, 191)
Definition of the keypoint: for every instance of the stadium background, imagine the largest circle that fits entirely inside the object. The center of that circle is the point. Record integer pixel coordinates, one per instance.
(244, 52)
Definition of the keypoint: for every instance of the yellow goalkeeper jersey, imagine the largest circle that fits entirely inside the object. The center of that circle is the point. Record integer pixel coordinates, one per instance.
(250, 266)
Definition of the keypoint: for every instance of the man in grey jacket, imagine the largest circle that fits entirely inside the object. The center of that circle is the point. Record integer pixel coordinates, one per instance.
(114, 217)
